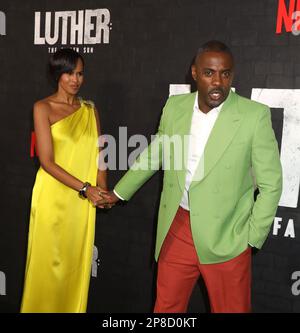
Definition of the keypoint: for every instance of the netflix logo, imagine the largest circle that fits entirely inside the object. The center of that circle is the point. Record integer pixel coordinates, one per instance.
(288, 16)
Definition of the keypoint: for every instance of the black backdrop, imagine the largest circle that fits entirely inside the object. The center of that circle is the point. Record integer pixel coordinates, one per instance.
(150, 46)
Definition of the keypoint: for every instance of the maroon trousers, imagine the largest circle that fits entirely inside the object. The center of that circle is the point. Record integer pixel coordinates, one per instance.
(228, 283)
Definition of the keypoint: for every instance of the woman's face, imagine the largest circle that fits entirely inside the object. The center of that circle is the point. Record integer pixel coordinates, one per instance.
(71, 82)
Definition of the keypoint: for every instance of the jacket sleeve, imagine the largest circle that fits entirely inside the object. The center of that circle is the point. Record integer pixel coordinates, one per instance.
(268, 174)
(148, 162)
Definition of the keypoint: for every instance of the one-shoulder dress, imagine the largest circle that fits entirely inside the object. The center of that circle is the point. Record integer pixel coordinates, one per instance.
(62, 225)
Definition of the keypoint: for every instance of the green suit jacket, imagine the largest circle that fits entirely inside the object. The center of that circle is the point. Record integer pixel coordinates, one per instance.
(241, 154)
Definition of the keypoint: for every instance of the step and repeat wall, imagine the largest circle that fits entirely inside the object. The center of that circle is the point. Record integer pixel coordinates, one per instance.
(136, 52)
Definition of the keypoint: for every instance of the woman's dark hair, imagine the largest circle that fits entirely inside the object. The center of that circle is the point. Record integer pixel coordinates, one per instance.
(63, 61)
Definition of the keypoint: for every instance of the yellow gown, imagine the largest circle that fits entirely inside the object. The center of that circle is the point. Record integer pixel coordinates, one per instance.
(62, 225)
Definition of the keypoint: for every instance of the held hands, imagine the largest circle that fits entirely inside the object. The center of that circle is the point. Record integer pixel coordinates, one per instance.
(108, 199)
(92, 193)
(100, 197)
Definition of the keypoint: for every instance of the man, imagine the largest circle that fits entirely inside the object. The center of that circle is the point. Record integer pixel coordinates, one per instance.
(208, 220)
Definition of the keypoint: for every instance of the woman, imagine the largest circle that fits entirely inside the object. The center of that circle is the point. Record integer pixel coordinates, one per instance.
(66, 190)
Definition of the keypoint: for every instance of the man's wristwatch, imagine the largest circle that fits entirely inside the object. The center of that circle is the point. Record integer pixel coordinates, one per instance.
(82, 191)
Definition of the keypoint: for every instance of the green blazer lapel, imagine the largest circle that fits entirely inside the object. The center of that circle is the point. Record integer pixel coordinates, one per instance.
(223, 132)
(182, 127)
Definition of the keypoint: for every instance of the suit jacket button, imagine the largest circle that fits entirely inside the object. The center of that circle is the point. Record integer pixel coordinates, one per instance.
(165, 206)
(171, 185)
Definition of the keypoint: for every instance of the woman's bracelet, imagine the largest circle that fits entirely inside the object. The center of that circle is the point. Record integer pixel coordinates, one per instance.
(82, 191)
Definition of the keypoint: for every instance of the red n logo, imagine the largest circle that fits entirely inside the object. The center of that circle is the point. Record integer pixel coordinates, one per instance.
(284, 16)
(33, 146)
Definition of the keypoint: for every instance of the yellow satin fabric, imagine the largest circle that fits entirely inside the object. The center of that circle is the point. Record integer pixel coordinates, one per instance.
(62, 225)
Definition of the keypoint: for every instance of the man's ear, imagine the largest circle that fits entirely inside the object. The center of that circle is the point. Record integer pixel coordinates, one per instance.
(194, 72)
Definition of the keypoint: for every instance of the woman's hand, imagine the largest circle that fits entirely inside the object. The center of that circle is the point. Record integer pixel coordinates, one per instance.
(93, 193)
(108, 199)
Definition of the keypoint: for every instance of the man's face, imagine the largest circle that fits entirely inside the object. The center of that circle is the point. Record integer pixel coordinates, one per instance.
(213, 73)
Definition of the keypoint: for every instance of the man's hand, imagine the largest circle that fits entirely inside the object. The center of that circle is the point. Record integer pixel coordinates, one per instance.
(108, 199)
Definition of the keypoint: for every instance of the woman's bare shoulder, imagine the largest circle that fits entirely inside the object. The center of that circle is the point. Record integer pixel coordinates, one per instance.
(43, 106)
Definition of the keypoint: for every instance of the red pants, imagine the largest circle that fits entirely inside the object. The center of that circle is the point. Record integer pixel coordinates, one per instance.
(228, 283)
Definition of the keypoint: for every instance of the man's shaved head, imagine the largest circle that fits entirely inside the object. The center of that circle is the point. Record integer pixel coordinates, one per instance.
(213, 46)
